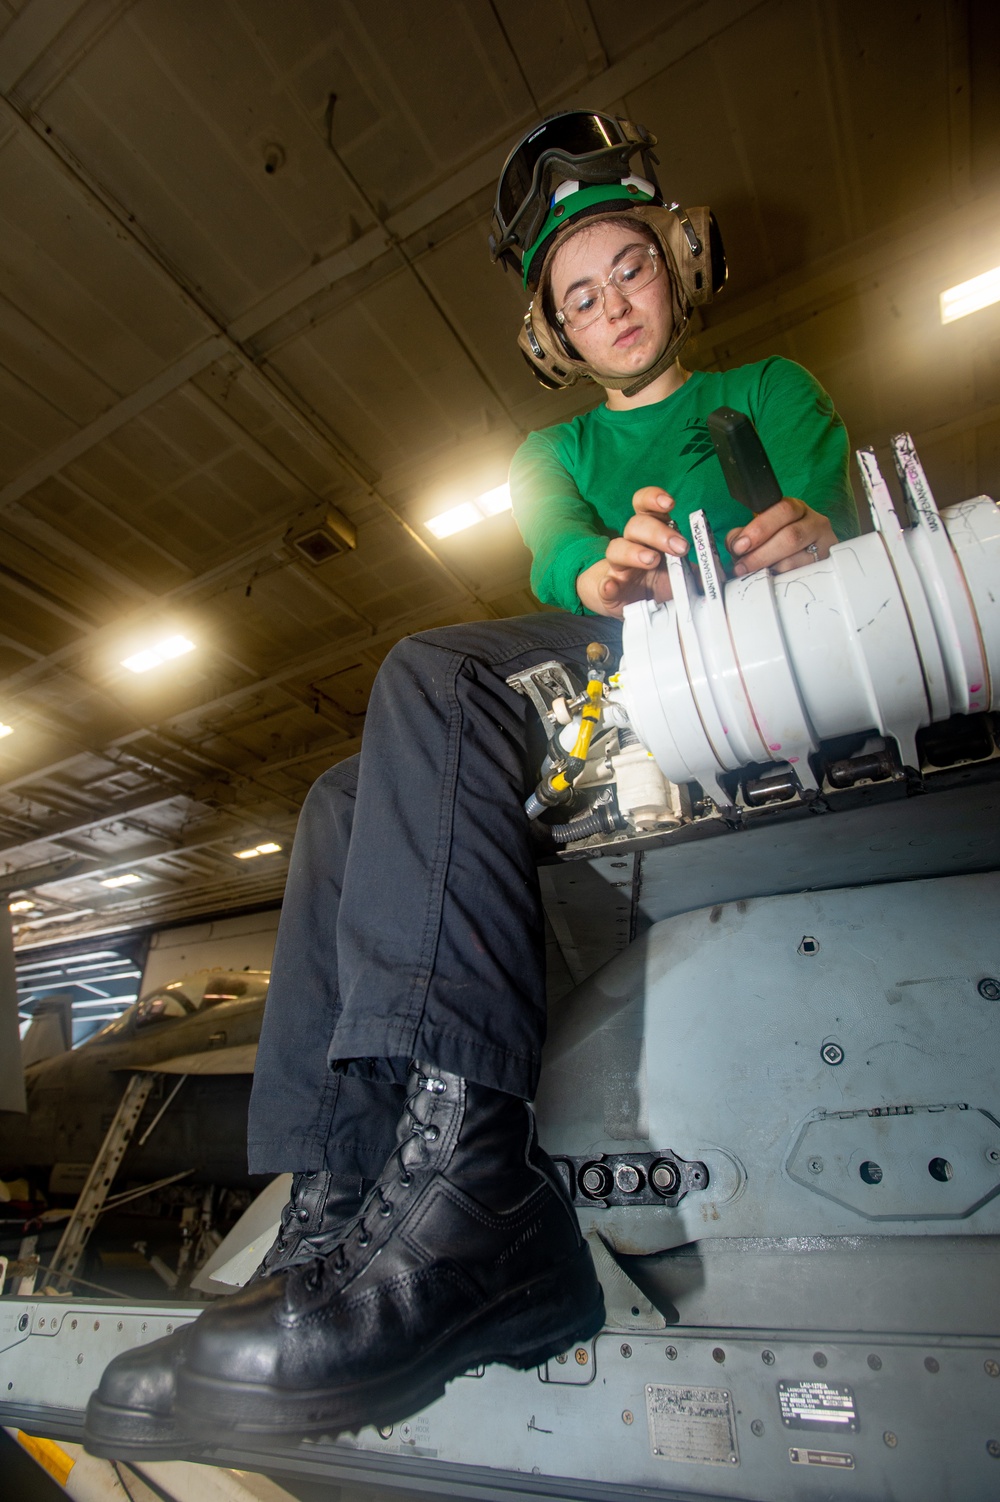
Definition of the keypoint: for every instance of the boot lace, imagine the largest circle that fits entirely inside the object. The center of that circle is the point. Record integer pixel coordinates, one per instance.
(337, 1261)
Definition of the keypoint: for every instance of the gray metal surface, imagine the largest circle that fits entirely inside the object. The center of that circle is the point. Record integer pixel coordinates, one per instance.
(938, 833)
(685, 1413)
(710, 1037)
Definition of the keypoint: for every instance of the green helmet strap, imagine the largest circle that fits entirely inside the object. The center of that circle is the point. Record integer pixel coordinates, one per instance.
(574, 204)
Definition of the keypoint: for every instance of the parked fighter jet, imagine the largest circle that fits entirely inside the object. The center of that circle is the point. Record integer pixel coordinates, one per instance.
(200, 1034)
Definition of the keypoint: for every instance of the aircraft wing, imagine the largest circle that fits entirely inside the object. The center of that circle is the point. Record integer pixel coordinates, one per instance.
(239, 1059)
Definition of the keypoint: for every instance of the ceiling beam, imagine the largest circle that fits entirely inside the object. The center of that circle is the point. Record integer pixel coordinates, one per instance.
(688, 28)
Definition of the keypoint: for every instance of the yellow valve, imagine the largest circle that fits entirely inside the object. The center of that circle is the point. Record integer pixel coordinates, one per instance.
(590, 718)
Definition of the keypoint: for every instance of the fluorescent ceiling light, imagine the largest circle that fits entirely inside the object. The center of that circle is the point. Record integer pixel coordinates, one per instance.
(174, 646)
(127, 879)
(267, 848)
(490, 503)
(5, 730)
(969, 297)
(24, 906)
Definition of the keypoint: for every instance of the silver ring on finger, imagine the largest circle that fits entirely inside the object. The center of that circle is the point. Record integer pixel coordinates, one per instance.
(812, 548)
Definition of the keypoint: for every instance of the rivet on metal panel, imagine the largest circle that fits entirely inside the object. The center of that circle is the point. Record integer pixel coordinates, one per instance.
(79, 1359)
(718, 1355)
(757, 1428)
(993, 1155)
(562, 1359)
(97, 1324)
(819, 1358)
(72, 1324)
(832, 1053)
(121, 1325)
(932, 1364)
(815, 1165)
(627, 1416)
(989, 988)
(991, 1368)
(385, 1431)
(809, 945)
(890, 1439)
(875, 1362)
(22, 1323)
(993, 1448)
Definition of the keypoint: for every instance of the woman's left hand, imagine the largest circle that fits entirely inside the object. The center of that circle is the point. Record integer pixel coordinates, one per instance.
(781, 538)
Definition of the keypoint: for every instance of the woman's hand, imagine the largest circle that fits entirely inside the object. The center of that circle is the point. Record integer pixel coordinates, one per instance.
(633, 567)
(781, 538)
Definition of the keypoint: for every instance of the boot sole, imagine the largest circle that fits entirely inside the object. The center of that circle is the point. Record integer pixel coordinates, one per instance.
(134, 1434)
(523, 1329)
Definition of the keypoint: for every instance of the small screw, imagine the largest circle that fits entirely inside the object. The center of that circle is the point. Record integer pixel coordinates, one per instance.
(994, 1154)
(97, 1324)
(875, 1362)
(767, 1357)
(719, 1355)
(890, 1439)
(170, 1329)
(991, 1368)
(626, 1350)
(932, 1364)
(79, 1359)
(41, 1324)
(993, 1448)
(72, 1324)
(815, 1165)
(819, 1359)
(989, 988)
(385, 1431)
(562, 1359)
(627, 1416)
(757, 1428)
(120, 1325)
(581, 1356)
(832, 1053)
(671, 1353)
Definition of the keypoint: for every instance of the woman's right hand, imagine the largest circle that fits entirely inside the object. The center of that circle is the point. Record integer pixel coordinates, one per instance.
(633, 567)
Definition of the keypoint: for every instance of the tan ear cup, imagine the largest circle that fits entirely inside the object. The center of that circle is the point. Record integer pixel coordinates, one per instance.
(546, 357)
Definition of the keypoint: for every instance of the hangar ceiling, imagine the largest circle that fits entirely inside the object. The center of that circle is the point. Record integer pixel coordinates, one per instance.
(244, 283)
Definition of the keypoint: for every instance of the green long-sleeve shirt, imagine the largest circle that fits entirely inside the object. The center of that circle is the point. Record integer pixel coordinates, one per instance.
(572, 484)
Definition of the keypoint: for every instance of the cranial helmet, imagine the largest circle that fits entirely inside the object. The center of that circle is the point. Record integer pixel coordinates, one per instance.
(574, 167)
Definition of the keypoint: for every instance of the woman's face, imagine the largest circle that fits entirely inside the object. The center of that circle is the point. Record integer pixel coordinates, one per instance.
(634, 329)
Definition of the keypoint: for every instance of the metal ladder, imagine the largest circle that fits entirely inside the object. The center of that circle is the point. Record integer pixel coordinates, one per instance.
(95, 1191)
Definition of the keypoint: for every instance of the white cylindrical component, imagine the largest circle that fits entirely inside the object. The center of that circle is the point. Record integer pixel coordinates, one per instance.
(974, 532)
(643, 793)
(898, 628)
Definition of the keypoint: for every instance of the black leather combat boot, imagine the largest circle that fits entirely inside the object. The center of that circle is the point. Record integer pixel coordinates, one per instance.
(131, 1415)
(467, 1251)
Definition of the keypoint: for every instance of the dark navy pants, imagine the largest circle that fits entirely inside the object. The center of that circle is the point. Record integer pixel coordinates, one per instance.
(412, 925)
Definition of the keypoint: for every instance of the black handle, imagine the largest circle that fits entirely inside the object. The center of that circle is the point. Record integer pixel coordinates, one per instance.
(747, 469)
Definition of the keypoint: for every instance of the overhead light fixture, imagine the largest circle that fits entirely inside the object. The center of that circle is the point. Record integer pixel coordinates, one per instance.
(153, 657)
(23, 906)
(5, 730)
(969, 297)
(490, 503)
(127, 879)
(267, 848)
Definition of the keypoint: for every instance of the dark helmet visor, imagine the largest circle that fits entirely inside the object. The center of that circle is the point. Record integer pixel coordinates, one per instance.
(585, 146)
